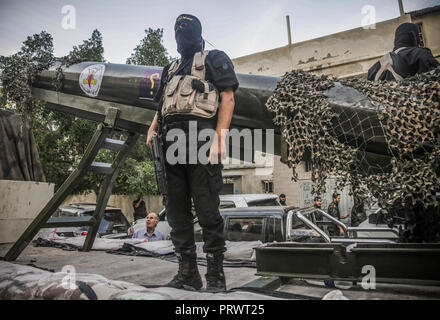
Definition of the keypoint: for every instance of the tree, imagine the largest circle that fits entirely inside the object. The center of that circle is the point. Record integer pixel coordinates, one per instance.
(138, 175)
(89, 50)
(150, 52)
(62, 139)
(19, 70)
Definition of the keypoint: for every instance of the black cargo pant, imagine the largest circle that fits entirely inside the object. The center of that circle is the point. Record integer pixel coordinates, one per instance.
(201, 183)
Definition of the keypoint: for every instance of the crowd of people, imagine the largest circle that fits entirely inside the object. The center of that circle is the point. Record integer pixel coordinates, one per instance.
(332, 209)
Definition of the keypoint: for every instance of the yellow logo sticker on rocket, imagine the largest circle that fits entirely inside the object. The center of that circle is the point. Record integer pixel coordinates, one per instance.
(90, 79)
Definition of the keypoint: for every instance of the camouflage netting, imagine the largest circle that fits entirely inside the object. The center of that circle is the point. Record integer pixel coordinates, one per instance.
(408, 118)
(19, 160)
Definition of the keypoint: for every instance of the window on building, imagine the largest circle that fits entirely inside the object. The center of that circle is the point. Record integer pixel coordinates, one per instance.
(268, 186)
(227, 188)
(420, 26)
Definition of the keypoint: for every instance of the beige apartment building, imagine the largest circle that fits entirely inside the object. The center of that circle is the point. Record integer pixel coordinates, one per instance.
(345, 54)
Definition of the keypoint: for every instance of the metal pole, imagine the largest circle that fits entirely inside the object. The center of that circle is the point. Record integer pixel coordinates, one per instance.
(289, 35)
(402, 12)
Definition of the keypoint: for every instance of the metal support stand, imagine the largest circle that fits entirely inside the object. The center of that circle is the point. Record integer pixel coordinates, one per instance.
(99, 140)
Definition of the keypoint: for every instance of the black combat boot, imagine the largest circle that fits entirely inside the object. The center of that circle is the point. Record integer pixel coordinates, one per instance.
(215, 277)
(188, 276)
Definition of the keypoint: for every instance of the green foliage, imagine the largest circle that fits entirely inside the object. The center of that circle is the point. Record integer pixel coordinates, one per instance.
(150, 52)
(62, 139)
(89, 50)
(137, 178)
(20, 69)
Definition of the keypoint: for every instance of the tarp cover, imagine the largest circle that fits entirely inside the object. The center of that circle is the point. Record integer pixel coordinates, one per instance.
(238, 254)
(19, 158)
(20, 282)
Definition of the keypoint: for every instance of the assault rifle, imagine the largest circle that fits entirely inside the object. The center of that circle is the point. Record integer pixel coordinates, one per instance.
(159, 165)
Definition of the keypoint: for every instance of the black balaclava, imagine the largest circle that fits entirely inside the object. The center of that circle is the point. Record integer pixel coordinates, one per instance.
(188, 30)
(407, 35)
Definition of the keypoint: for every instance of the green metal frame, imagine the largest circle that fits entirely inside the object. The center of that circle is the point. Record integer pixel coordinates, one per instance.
(98, 141)
(393, 263)
(107, 188)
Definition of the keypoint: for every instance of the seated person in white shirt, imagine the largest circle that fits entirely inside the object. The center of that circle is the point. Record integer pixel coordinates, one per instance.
(150, 233)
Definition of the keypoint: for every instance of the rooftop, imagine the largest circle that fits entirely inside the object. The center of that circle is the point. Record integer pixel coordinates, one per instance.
(424, 12)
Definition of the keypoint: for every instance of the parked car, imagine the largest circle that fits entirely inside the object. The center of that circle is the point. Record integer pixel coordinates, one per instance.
(265, 224)
(378, 220)
(281, 224)
(113, 225)
(226, 201)
(248, 200)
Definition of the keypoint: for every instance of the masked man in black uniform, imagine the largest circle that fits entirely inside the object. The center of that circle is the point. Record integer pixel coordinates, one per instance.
(196, 91)
(406, 59)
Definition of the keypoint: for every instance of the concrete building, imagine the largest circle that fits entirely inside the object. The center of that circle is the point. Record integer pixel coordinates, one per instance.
(247, 177)
(345, 54)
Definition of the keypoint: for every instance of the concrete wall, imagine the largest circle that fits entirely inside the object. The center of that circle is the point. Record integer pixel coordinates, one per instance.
(299, 193)
(249, 178)
(20, 202)
(125, 203)
(431, 34)
(342, 54)
(282, 182)
(306, 197)
(244, 179)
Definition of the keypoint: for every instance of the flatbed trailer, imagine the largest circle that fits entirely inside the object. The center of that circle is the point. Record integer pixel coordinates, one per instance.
(348, 258)
(152, 272)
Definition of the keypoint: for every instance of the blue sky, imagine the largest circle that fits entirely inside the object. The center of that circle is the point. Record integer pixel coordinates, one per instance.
(239, 27)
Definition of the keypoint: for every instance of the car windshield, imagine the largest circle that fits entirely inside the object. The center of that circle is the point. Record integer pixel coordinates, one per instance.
(245, 229)
(104, 227)
(227, 204)
(112, 222)
(263, 203)
(67, 213)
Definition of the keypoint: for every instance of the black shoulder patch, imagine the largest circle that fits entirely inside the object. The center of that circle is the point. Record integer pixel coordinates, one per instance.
(221, 60)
